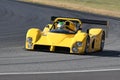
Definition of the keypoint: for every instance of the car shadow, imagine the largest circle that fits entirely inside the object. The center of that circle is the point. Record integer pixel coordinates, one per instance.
(106, 53)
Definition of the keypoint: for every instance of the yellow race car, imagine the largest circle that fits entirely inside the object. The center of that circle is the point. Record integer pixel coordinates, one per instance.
(65, 35)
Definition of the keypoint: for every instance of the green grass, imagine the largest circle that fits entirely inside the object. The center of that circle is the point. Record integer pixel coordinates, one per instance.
(99, 4)
(104, 7)
(104, 4)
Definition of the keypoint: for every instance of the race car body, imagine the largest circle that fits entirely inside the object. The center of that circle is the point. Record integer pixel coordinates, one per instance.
(66, 35)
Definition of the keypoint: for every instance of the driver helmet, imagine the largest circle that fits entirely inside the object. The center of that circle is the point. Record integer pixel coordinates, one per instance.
(60, 24)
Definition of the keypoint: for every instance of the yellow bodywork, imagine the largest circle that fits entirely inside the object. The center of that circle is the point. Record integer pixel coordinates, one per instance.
(68, 43)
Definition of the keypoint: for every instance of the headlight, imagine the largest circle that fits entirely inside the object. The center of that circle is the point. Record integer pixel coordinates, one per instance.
(75, 49)
(29, 39)
(30, 45)
(78, 44)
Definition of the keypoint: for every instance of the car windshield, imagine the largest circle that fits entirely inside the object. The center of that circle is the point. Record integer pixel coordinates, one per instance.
(67, 27)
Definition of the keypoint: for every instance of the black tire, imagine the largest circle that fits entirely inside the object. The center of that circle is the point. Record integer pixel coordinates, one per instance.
(102, 41)
(87, 45)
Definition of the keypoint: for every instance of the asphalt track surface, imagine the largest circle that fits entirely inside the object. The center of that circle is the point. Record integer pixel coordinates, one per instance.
(16, 18)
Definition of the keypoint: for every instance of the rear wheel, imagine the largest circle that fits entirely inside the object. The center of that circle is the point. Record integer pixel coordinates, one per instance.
(102, 41)
(87, 45)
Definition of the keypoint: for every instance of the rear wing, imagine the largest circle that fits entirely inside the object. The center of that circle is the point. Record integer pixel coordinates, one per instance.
(97, 22)
(89, 21)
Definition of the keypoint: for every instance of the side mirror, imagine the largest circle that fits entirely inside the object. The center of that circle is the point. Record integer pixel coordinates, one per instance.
(47, 26)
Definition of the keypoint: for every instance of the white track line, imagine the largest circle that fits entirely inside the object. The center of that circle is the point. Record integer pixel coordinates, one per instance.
(58, 72)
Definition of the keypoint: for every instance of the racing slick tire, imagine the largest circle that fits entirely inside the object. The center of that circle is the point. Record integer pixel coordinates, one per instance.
(87, 45)
(102, 41)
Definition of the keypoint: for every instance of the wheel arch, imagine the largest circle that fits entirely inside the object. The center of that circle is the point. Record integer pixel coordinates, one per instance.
(34, 33)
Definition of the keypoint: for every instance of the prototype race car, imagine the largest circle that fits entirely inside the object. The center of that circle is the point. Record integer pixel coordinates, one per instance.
(65, 35)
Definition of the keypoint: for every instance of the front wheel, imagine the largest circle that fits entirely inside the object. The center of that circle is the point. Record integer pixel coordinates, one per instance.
(87, 45)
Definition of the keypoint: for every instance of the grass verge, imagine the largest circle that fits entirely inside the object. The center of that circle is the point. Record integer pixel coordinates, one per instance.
(102, 7)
